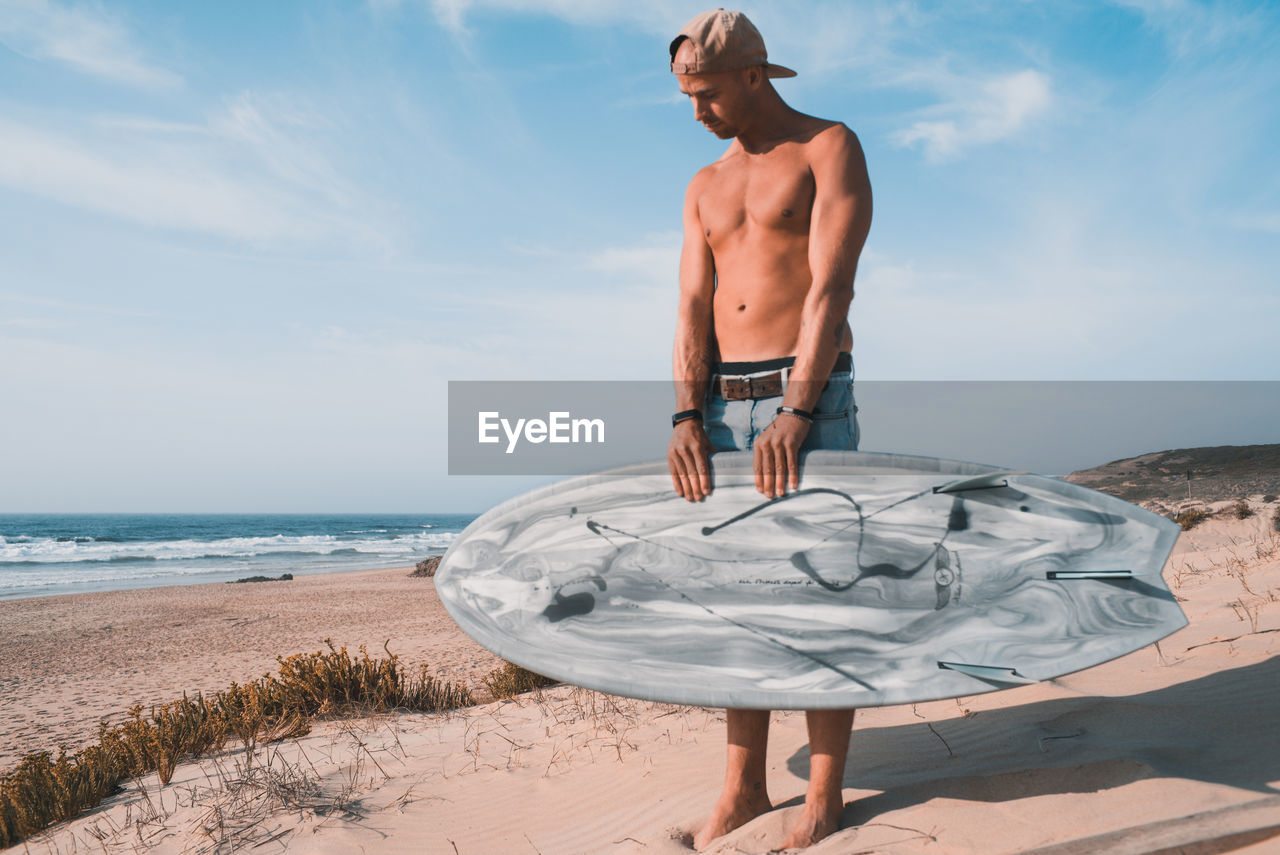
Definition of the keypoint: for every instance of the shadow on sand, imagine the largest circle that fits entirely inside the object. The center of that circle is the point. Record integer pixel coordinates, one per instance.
(1220, 729)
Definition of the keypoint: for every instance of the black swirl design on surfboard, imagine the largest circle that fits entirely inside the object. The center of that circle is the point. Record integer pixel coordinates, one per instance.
(612, 583)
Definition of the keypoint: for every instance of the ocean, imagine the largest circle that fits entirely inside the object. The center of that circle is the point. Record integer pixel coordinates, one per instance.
(43, 554)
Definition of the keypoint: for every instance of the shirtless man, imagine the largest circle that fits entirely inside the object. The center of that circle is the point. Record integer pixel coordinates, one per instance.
(772, 234)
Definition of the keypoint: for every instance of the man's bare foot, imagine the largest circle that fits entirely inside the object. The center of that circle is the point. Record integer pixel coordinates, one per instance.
(814, 824)
(728, 814)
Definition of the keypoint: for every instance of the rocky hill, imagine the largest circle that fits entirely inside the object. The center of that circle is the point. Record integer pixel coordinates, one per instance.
(1216, 474)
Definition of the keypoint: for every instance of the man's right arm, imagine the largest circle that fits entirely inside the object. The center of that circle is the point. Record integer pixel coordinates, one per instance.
(689, 449)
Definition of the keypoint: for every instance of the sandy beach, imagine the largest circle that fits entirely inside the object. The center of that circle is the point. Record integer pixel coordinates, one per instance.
(66, 662)
(1172, 748)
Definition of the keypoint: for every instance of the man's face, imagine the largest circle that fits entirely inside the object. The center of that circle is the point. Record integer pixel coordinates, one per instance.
(721, 100)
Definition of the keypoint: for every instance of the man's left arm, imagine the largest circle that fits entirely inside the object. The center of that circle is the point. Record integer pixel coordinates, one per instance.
(837, 231)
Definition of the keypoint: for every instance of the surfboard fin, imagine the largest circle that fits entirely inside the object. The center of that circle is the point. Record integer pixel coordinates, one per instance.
(989, 481)
(987, 673)
(1089, 574)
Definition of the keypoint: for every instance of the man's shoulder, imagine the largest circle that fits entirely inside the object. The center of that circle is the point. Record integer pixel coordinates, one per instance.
(832, 135)
(706, 173)
(820, 138)
(698, 183)
(836, 149)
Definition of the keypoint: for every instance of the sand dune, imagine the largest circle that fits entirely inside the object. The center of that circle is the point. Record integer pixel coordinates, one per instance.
(1172, 746)
(66, 662)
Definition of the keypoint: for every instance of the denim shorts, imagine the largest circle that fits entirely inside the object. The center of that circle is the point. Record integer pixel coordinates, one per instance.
(734, 425)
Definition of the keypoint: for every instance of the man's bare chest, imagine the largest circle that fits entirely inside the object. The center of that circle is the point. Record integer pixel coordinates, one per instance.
(774, 193)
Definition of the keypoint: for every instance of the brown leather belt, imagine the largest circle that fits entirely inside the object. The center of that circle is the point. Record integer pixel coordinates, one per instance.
(770, 385)
(747, 388)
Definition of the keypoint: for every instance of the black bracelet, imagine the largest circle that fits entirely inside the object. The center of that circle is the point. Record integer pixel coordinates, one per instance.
(797, 412)
(685, 415)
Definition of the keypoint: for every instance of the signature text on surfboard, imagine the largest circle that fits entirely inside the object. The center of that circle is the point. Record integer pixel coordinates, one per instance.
(559, 426)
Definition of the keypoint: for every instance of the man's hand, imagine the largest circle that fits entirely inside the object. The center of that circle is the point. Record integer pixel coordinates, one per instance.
(777, 455)
(688, 457)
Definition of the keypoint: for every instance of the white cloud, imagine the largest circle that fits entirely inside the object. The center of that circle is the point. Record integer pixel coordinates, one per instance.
(33, 323)
(882, 275)
(654, 16)
(657, 256)
(873, 37)
(918, 320)
(616, 304)
(62, 308)
(882, 38)
(1191, 28)
(269, 127)
(85, 37)
(1067, 292)
(1259, 221)
(651, 258)
(673, 97)
(1001, 108)
(64, 169)
(248, 174)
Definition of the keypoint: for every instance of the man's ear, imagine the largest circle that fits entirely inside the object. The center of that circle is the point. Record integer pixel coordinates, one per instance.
(754, 77)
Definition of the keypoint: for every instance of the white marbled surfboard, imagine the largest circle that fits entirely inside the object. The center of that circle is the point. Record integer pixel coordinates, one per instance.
(884, 579)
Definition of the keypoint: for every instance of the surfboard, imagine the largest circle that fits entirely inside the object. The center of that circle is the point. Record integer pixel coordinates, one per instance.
(884, 579)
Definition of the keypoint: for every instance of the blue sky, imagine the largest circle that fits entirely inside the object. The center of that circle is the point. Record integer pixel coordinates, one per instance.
(245, 245)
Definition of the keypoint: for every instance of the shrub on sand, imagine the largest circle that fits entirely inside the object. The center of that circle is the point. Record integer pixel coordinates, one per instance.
(1242, 510)
(511, 680)
(43, 790)
(427, 566)
(1190, 518)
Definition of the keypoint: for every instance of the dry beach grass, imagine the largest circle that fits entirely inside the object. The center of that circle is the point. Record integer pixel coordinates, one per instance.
(68, 662)
(44, 789)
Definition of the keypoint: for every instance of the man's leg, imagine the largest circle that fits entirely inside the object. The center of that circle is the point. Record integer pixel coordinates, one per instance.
(828, 746)
(744, 796)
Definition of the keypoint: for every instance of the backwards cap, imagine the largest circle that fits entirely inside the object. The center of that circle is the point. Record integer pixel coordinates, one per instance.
(723, 41)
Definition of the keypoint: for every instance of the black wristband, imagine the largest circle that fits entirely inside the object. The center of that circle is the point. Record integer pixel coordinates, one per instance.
(797, 412)
(685, 415)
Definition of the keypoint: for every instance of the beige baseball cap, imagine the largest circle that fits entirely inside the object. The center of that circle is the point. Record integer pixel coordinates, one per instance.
(723, 41)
